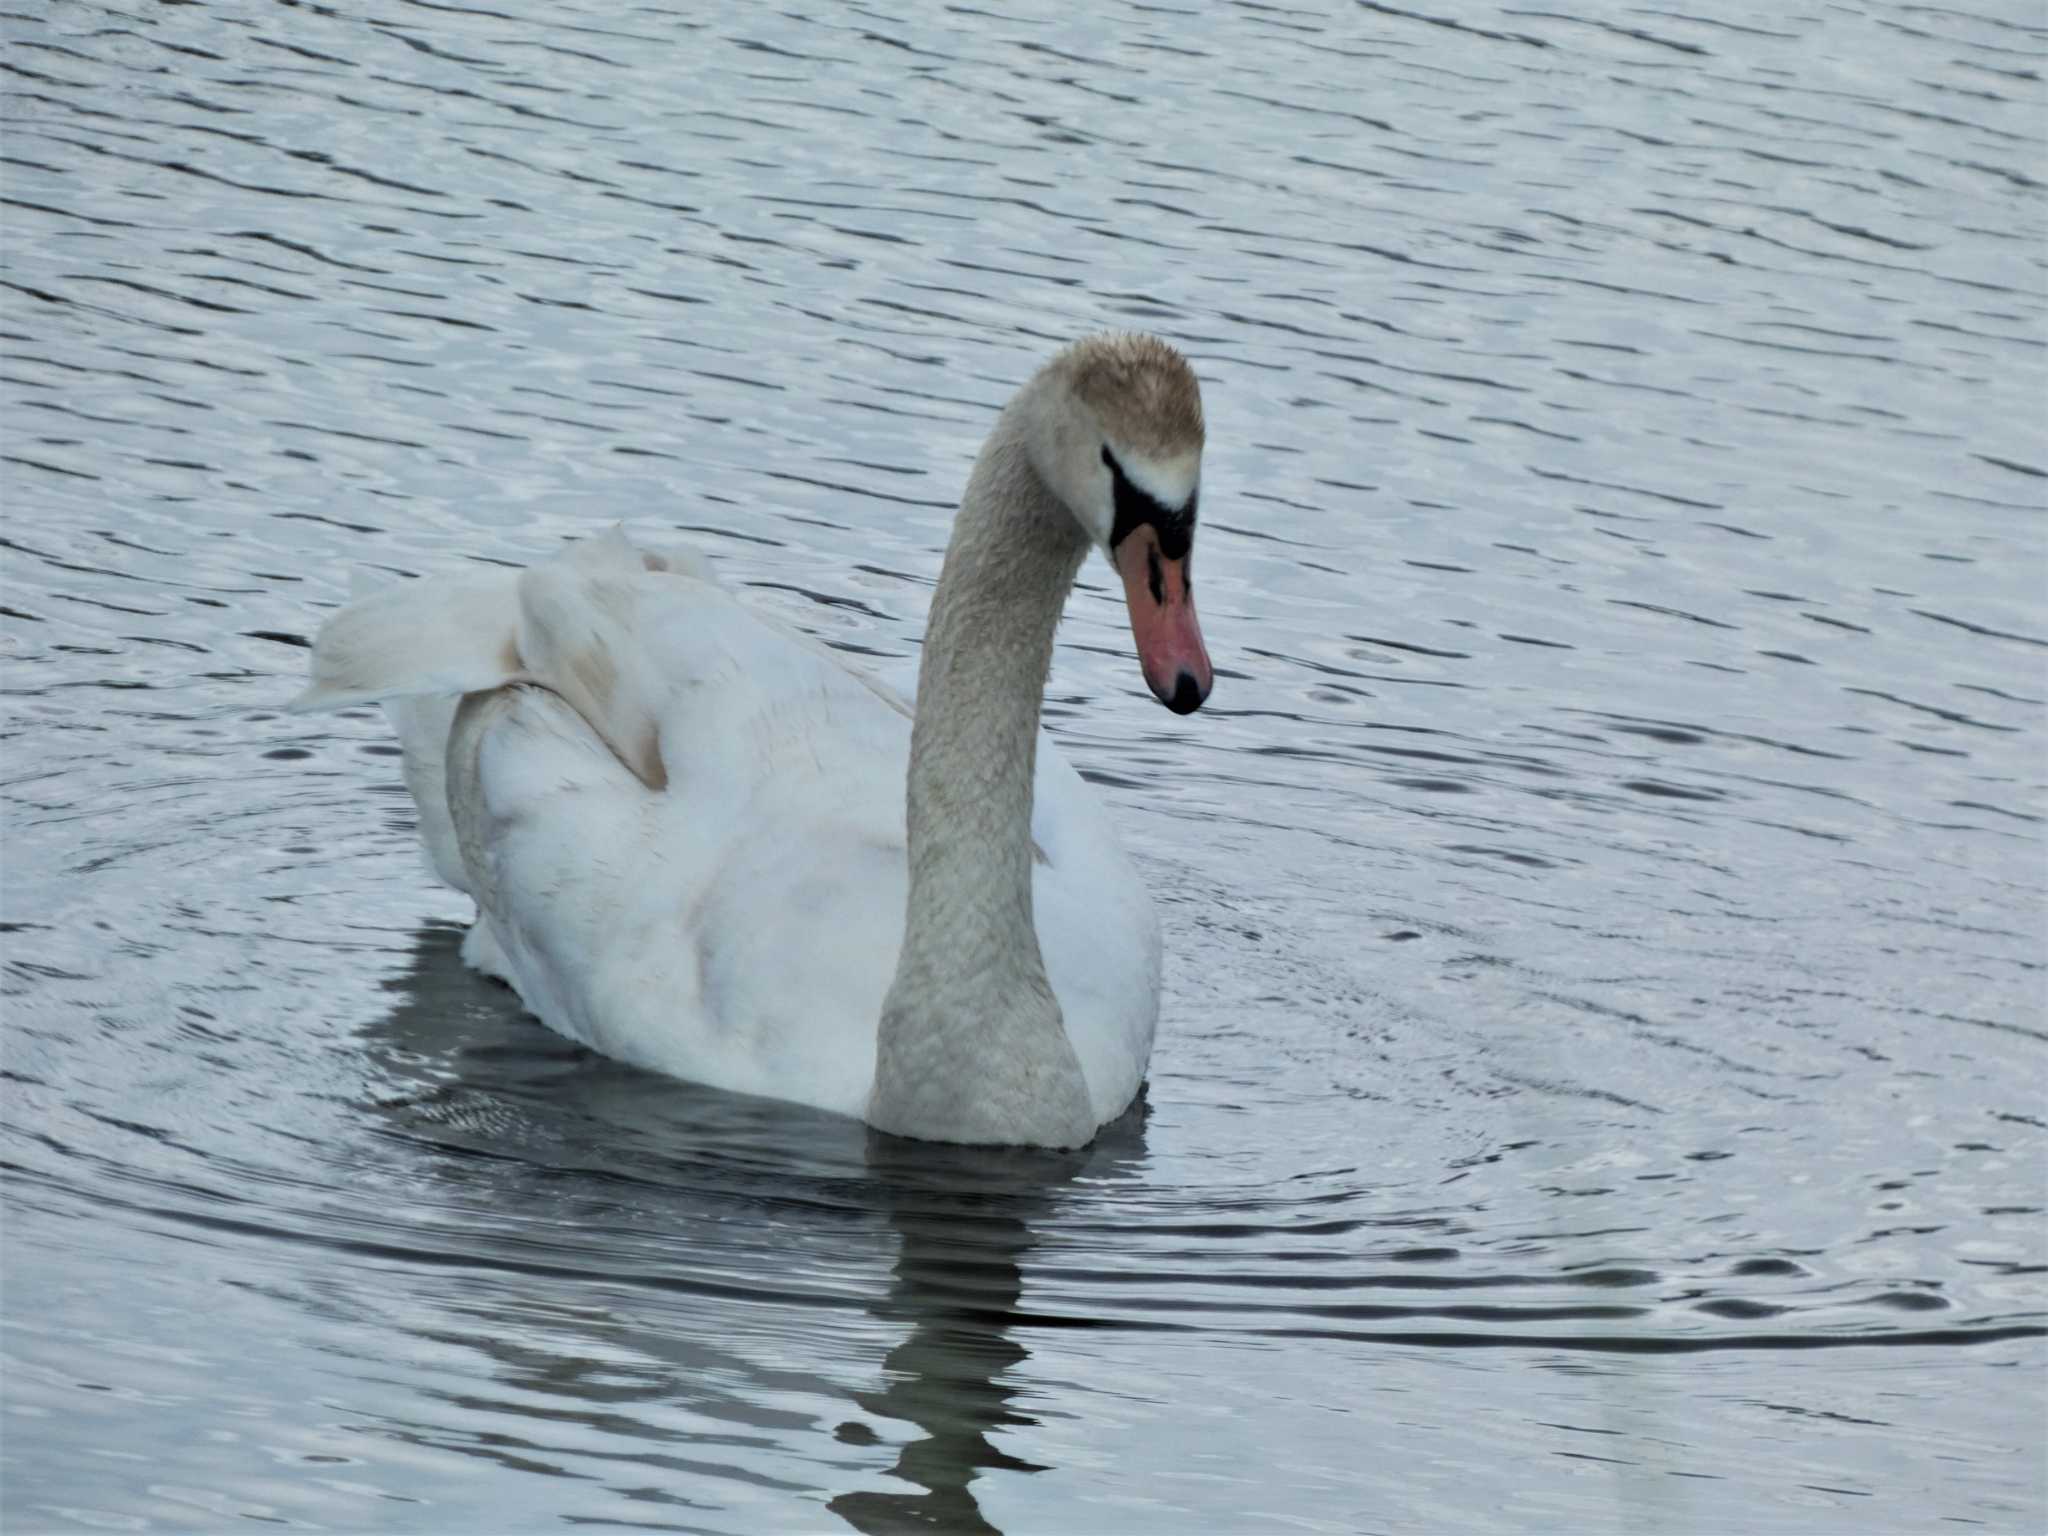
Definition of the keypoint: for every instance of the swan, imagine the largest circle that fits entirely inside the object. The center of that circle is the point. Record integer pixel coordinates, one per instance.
(700, 842)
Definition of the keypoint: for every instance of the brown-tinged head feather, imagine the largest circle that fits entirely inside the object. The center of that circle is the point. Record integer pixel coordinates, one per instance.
(1143, 391)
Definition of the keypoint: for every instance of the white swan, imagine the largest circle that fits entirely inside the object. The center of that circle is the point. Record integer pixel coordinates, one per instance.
(685, 826)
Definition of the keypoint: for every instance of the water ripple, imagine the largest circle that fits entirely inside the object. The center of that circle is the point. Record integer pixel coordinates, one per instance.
(1603, 903)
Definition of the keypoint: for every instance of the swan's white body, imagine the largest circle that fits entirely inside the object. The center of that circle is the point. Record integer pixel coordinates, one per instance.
(685, 826)
(740, 926)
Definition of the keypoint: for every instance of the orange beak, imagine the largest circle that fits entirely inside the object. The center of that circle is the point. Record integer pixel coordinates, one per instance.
(1163, 621)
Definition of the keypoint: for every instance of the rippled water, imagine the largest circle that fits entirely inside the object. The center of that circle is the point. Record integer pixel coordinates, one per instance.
(1600, 1084)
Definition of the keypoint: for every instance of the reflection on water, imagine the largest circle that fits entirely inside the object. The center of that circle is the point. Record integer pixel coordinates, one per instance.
(1600, 1080)
(963, 1221)
(957, 1288)
(945, 1378)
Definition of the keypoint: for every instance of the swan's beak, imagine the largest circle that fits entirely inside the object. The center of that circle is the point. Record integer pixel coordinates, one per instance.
(1163, 621)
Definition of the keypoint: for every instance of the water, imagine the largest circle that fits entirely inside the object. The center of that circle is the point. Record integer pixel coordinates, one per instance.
(1600, 1080)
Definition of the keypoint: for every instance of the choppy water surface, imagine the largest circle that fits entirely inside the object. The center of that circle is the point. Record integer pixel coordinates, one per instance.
(1600, 1085)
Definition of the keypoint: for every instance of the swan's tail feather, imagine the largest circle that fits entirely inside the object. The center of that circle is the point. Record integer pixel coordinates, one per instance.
(419, 637)
(416, 647)
(459, 635)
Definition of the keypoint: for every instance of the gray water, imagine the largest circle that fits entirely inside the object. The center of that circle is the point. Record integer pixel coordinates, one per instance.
(1600, 1081)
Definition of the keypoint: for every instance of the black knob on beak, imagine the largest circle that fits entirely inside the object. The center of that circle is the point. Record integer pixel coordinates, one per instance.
(1187, 695)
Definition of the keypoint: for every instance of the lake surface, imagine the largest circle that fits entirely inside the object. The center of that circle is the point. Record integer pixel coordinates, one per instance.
(1600, 1082)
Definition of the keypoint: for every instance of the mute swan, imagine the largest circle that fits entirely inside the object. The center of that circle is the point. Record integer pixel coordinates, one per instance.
(685, 826)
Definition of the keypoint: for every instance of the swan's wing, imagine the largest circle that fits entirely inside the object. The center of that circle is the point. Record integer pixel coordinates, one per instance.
(668, 670)
(567, 624)
(738, 928)
(629, 636)
(580, 637)
(612, 550)
(584, 618)
(660, 661)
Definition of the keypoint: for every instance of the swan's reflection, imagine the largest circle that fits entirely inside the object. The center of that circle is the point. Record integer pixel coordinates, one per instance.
(965, 1219)
(463, 1073)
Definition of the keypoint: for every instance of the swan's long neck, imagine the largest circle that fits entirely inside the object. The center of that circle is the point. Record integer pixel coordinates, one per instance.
(987, 651)
(972, 1046)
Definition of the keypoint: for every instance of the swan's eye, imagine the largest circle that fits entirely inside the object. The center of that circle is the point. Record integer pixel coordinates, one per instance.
(1109, 459)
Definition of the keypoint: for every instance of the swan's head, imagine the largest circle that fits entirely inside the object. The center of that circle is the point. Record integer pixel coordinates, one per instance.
(1122, 447)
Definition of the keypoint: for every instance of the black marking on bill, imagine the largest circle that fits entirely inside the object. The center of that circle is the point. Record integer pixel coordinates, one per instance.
(1174, 525)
